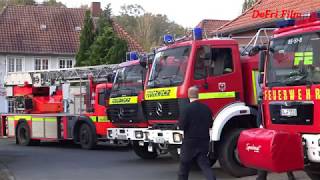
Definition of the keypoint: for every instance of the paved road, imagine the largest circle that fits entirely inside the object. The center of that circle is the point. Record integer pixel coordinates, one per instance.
(52, 161)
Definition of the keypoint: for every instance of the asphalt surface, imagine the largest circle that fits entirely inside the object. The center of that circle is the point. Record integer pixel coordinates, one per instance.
(52, 161)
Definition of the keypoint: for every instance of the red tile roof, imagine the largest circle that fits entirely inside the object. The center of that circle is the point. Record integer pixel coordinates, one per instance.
(133, 45)
(46, 30)
(245, 20)
(211, 25)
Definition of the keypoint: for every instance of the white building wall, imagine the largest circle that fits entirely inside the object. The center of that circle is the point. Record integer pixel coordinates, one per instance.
(28, 65)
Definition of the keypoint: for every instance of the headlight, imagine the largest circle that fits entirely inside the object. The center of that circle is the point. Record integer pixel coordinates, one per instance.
(177, 137)
(138, 134)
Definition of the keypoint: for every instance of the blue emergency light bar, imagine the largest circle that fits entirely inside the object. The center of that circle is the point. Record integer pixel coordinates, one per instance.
(197, 33)
(133, 55)
(168, 39)
(285, 23)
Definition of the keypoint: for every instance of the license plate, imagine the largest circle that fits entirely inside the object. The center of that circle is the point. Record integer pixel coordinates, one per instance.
(289, 112)
(122, 136)
(159, 140)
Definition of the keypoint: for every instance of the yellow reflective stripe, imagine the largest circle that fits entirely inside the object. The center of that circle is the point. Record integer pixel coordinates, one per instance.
(103, 119)
(93, 118)
(99, 118)
(254, 86)
(37, 119)
(124, 100)
(10, 118)
(217, 95)
(161, 93)
(28, 118)
(51, 119)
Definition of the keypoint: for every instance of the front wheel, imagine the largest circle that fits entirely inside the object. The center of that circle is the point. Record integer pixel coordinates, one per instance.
(142, 151)
(312, 171)
(87, 137)
(23, 135)
(229, 158)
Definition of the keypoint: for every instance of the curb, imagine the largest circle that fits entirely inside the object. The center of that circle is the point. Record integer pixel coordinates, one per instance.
(5, 174)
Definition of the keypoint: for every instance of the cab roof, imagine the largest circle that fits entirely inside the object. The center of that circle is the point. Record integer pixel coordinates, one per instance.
(211, 41)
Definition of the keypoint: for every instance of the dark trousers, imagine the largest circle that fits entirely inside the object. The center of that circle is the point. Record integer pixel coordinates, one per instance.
(195, 150)
(262, 175)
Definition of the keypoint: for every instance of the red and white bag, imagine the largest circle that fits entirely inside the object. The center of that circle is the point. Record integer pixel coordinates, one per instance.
(271, 150)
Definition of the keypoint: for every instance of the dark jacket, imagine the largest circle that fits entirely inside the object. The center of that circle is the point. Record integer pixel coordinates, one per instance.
(196, 120)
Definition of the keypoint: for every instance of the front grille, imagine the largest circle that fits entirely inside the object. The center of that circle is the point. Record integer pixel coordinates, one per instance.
(124, 113)
(162, 109)
(304, 113)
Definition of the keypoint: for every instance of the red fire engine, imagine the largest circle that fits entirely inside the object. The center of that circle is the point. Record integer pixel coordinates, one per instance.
(227, 83)
(291, 86)
(42, 106)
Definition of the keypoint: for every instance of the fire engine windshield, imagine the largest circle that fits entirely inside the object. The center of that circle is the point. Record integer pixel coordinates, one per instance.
(294, 60)
(169, 67)
(128, 81)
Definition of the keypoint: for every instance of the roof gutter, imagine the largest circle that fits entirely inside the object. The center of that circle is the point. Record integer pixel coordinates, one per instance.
(269, 24)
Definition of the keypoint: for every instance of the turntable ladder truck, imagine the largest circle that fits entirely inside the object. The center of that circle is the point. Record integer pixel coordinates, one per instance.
(41, 101)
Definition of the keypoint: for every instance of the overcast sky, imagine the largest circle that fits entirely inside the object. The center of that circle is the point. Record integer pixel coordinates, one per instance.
(184, 12)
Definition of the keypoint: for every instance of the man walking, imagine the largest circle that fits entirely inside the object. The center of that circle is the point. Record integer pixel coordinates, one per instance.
(195, 120)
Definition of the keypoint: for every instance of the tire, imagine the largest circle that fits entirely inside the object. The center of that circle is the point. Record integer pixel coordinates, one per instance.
(313, 176)
(228, 157)
(87, 137)
(23, 135)
(174, 153)
(142, 151)
(212, 159)
(313, 171)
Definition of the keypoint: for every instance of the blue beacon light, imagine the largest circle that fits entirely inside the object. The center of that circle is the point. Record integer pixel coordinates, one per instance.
(197, 33)
(168, 39)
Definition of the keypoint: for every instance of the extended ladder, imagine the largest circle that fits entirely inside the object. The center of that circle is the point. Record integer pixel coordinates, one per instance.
(48, 77)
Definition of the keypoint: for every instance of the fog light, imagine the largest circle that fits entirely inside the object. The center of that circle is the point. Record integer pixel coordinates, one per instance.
(138, 134)
(110, 133)
(177, 137)
(141, 143)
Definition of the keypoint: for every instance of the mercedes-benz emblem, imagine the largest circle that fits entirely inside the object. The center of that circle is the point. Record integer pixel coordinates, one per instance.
(159, 109)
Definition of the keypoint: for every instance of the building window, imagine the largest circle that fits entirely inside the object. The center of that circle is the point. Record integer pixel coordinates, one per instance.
(41, 64)
(10, 105)
(14, 64)
(65, 63)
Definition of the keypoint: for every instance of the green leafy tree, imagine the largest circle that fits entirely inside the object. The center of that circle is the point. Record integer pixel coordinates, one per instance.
(4, 3)
(104, 20)
(146, 27)
(86, 40)
(247, 4)
(53, 3)
(107, 48)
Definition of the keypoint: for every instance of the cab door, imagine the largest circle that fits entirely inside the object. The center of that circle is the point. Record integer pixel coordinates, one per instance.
(217, 74)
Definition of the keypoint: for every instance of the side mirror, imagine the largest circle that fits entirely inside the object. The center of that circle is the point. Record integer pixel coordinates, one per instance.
(262, 59)
(256, 49)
